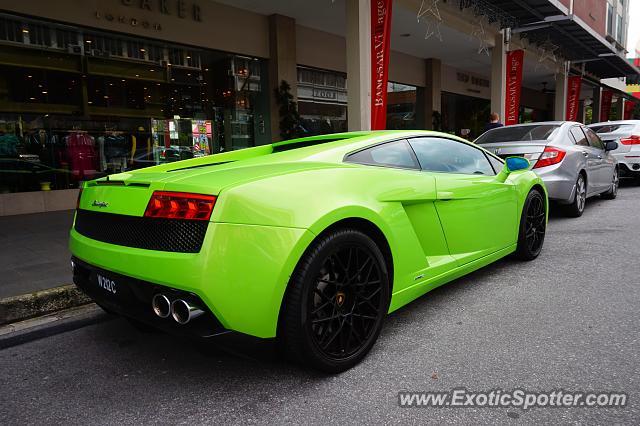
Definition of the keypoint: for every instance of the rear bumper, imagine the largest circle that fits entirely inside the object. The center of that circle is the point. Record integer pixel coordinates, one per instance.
(131, 298)
(629, 162)
(240, 274)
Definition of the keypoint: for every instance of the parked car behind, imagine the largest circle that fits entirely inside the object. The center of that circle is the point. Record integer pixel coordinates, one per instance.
(570, 158)
(627, 134)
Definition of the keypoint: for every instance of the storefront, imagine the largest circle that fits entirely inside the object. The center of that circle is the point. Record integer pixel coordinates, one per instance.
(322, 101)
(402, 106)
(79, 103)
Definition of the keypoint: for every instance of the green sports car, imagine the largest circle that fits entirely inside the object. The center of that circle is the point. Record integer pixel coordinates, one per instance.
(307, 242)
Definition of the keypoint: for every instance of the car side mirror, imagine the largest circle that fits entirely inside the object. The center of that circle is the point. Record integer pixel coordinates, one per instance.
(512, 164)
(610, 146)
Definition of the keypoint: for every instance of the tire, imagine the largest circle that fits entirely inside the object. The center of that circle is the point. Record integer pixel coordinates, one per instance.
(533, 226)
(576, 208)
(336, 302)
(612, 193)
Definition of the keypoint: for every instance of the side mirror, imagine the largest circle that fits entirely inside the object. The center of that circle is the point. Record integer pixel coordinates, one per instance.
(610, 146)
(512, 164)
(516, 163)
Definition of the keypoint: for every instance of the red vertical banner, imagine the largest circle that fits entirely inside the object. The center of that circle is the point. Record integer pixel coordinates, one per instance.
(605, 108)
(628, 109)
(573, 97)
(515, 60)
(380, 36)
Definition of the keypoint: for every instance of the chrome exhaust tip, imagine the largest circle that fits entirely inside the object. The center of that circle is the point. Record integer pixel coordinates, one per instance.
(183, 312)
(161, 305)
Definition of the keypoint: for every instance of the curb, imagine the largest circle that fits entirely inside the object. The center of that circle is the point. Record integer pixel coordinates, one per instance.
(48, 325)
(25, 306)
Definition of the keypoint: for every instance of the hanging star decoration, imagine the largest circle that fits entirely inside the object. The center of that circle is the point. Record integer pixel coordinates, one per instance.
(429, 7)
(480, 34)
(547, 51)
(432, 29)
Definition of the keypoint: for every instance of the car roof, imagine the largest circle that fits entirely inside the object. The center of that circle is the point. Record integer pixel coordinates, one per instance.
(604, 123)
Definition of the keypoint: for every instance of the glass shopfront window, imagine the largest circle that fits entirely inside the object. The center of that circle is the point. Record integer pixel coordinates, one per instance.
(464, 112)
(322, 101)
(100, 103)
(401, 106)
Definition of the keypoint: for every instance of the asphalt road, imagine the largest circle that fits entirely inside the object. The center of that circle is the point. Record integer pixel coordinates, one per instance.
(567, 320)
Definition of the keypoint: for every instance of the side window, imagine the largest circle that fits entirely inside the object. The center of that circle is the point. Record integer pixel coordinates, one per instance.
(496, 163)
(578, 136)
(594, 140)
(391, 154)
(449, 156)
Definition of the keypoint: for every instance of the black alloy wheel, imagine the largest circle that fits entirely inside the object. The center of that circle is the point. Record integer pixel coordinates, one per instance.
(336, 302)
(533, 226)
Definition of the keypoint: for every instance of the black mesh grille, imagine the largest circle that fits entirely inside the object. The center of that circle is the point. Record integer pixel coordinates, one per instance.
(174, 235)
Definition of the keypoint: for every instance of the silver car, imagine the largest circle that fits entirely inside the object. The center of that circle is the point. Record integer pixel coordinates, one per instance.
(627, 134)
(570, 158)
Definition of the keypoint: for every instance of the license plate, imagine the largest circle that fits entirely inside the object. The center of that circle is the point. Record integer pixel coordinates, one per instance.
(107, 284)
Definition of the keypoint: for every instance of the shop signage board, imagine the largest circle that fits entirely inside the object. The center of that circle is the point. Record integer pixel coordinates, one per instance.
(573, 97)
(515, 59)
(380, 36)
(605, 109)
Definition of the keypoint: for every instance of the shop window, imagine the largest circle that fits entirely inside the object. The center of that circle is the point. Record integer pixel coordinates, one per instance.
(51, 137)
(39, 35)
(65, 38)
(11, 30)
(401, 106)
(136, 50)
(176, 57)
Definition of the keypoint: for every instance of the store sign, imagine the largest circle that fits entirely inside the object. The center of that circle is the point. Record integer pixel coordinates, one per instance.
(325, 94)
(180, 8)
(380, 36)
(573, 97)
(515, 59)
(605, 108)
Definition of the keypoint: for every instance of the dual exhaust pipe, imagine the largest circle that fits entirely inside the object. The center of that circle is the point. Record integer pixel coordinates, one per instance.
(181, 310)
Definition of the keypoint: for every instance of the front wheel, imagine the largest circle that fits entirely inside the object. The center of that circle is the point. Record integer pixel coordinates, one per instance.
(613, 190)
(337, 299)
(533, 226)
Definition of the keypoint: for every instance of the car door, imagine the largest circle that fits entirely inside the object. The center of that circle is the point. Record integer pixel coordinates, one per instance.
(590, 154)
(478, 213)
(604, 164)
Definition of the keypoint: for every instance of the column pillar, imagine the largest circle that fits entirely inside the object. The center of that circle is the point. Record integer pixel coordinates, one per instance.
(620, 108)
(432, 91)
(358, 64)
(498, 76)
(597, 104)
(282, 63)
(560, 99)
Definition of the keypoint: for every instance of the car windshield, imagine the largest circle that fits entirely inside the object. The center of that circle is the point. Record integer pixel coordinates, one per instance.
(610, 128)
(518, 134)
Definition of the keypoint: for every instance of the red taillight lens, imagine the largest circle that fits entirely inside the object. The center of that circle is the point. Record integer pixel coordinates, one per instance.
(549, 157)
(631, 140)
(180, 205)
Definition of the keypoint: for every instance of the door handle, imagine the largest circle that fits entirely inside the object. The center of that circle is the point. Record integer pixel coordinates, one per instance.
(600, 157)
(586, 154)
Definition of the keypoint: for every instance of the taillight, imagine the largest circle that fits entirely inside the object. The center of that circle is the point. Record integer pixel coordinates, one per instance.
(549, 157)
(631, 140)
(180, 205)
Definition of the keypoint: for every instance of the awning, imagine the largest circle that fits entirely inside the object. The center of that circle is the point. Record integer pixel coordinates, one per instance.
(542, 20)
(579, 43)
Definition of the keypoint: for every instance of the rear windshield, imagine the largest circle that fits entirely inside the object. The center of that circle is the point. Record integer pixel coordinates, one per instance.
(610, 128)
(518, 134)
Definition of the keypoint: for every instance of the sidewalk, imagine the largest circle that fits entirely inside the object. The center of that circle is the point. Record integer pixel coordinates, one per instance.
(34, 253)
